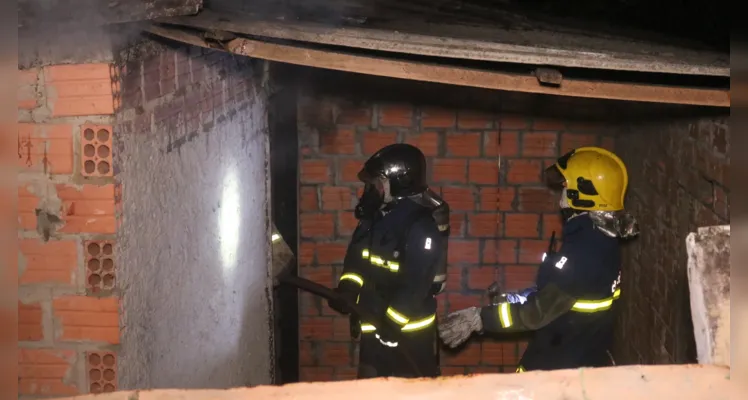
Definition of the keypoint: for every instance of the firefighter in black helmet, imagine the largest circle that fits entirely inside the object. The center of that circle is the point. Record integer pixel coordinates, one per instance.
(394, 266)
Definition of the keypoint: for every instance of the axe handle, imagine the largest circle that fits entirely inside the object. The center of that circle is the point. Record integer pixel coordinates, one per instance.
(363, 314)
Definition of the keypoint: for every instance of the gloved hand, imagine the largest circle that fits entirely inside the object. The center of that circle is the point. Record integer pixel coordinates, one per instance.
(341, 305)
(387, 333)
(459, 325)
(520, 297)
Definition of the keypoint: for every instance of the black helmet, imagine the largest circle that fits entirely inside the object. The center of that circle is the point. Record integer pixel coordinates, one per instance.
(403, 165)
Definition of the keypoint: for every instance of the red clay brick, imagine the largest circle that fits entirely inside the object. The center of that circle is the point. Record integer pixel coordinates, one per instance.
(50, 262)
(315, 171)
(322, 274)
(337, 198)
(463, 252)
(496, 198)
(512, 121)
(309, 304)
(548, 124)
(608, 143)
(331, 253)
(85, 209)
(508, 146)
(316, 374)
(428, 142)
(551, 223)
(342, 141)
(315, 328)
(464, 144)
(538, 199)
(484, 225)
(359, 115)
(570, 141)
(348, 170)
(454, 279)
(396, 115)
(317, 225)
(540, 144)
(522, 225)
(479, 278)
(468, 355)
(435, 117)
(85, 318)
(492, 353)
(347, 223)
(30, 322)
(77, 90)
(453, 371)
(459, 301)
(96, 150)
(484, 172)
(375, 141)
(524, 171)
(346, 373)
(306, 253)
(335, 354)
(308, 199)
(27, 88)
(499, 251)
(518, 277)
(459, 198)
(306, 354)
(46, 148)
(456, 225)
(44, 372)
(474, 120)
(531, 251)
(450, 170)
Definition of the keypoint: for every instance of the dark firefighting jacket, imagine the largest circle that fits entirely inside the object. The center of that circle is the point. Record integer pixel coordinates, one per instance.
(390, 267)
(582, 278)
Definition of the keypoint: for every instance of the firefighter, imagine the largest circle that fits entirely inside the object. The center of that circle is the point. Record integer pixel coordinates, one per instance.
(395, 264)
(571, 308)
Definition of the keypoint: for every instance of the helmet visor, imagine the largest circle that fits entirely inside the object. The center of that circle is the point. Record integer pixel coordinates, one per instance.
(554, 178)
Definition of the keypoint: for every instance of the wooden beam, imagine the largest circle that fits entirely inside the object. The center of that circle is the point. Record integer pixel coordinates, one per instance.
(533, 47)
(451, 75)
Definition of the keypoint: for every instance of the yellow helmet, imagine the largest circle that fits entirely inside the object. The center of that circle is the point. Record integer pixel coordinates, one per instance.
(594, 178)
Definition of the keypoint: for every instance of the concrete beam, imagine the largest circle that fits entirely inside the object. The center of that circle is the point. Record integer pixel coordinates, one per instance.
(682, 382)
(709, 282)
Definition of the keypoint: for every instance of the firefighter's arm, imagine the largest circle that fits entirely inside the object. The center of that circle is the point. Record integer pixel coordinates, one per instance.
(541, 308)
(351, 280)
(416, 273)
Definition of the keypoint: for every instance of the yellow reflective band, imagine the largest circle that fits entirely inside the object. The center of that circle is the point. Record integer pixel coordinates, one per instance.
(393, 266)
(520, 369)
(396, 316)
(590, 306)
(275, 237)
(505, 315)
(352, 277)
(409, 327)
(377, 261)
(416, 325)
(365, 253)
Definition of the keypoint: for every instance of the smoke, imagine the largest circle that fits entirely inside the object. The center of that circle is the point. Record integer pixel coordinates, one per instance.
(76, 31)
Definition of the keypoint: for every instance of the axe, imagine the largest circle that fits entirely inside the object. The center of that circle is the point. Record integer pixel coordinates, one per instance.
(282, 269)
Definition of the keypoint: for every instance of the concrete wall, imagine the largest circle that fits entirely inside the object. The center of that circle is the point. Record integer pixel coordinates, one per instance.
(191, 159)
(679, 181)
(487, 165)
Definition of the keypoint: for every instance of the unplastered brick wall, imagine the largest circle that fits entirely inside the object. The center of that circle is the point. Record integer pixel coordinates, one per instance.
(487, 167)
(68, 307)
(679, 181)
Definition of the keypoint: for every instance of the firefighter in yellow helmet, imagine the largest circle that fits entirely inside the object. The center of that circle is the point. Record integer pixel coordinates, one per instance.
(571, 308)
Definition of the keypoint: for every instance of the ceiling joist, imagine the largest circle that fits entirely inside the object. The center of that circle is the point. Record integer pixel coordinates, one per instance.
(452, 75)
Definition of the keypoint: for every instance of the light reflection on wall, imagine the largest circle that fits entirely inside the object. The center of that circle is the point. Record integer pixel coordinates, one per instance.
(229, 221)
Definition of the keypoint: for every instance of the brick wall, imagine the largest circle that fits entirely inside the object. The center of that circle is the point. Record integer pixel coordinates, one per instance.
(679, 181)
(68, 328)
(488, 167)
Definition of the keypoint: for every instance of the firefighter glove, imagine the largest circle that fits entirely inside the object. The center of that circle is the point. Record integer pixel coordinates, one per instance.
(459, 326)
